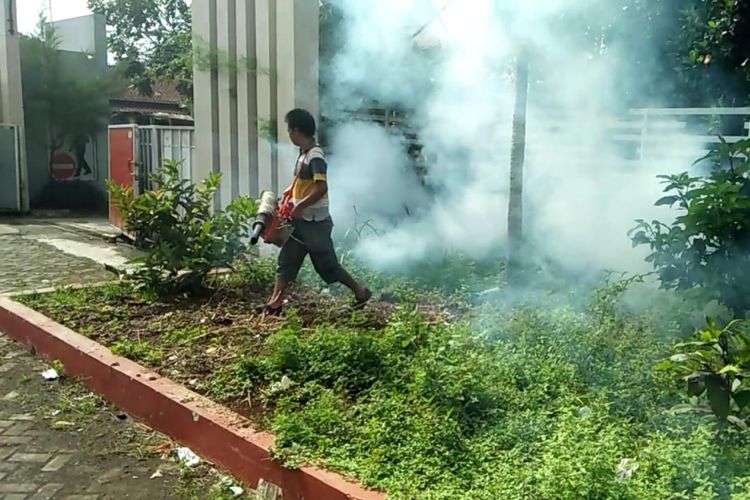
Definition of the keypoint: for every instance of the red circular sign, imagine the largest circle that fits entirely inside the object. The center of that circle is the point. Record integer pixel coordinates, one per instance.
(63, 166)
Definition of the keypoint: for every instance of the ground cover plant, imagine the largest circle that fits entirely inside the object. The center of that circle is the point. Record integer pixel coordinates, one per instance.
(426, 400)
(442, 388)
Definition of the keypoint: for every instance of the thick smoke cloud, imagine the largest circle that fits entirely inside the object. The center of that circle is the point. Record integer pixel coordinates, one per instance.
(583, 190)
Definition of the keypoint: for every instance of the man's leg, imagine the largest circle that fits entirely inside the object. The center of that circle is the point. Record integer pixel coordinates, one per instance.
(361, 292)
(290, 261)
(326, 262)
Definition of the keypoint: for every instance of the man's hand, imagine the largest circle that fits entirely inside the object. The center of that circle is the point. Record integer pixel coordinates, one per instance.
(297, 211)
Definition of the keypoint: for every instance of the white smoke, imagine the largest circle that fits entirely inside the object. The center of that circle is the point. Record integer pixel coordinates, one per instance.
(582, 193)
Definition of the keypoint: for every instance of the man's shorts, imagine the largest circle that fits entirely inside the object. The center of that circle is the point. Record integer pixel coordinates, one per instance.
(313, 238)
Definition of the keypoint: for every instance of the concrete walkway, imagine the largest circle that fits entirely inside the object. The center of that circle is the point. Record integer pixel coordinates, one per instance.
(39, 253)
(57, 440)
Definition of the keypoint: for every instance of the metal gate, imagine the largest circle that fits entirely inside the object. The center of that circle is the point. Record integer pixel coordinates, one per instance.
(159, 143)
(10, 169)
(135, 152)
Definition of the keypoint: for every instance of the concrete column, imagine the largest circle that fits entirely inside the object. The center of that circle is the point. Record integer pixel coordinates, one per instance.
(206, 97)
(268, 173)
(297, 39)
(11, 92)
(267, 64)
(247, 99)
(228, 66)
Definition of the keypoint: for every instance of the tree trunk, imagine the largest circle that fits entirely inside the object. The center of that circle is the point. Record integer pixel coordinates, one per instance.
(517, 157)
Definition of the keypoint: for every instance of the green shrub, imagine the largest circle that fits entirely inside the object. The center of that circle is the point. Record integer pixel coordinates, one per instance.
(716, 366)
(708, 244)
(184, 235)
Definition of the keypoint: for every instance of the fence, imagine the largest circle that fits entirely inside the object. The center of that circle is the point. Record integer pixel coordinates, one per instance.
(159, 143)
(637, 136)
(136, 151)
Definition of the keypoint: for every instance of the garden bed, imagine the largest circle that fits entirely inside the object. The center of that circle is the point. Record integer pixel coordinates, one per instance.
(422, 400)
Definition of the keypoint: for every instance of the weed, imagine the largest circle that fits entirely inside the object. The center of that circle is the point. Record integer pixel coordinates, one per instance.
(137, 350)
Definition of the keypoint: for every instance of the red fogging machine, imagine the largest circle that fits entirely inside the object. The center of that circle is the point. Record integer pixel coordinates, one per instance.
(273, 220)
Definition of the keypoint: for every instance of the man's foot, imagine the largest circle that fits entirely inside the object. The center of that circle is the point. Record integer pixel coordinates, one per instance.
(269, 310)
(360, 302)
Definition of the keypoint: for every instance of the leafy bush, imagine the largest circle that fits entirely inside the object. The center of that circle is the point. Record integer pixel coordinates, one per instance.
(185, 237)
(717, 365)
(708, 245)
(534, 402)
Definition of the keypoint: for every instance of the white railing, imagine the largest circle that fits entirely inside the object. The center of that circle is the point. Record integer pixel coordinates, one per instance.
(157, 143)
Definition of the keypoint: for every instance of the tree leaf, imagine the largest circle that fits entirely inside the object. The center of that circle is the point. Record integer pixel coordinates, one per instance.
(666, 200)
(737, 421)
(729, 369)
(682, 358)
(696, 386)
(742, 399)
(718, 395)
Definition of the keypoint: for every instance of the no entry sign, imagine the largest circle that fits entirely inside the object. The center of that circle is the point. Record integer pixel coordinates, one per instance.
(63, 166)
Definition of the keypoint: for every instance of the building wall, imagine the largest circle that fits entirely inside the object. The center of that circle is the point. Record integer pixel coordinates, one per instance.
(272, 49)
(84, 58)
(87, 34)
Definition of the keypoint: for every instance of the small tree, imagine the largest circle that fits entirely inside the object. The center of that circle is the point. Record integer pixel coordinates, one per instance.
(708, 245)
(73, 111)
(185, 239)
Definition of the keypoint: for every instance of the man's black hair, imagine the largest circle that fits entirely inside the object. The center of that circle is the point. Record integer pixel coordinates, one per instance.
(301, 120)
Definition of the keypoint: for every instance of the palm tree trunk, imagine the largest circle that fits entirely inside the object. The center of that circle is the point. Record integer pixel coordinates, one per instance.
(517, 158)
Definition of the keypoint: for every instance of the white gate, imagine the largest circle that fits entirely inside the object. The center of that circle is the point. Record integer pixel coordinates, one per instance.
(159, 143)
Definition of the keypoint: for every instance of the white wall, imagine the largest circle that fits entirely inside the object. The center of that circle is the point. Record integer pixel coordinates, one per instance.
(84, 34)
(231, 100)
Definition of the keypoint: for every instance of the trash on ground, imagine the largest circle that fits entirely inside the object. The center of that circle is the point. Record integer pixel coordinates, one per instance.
(50, 374)
(156, 474)
(626, 468)
(187, 457)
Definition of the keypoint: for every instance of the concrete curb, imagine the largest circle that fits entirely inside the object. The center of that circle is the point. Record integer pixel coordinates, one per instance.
(211, 430)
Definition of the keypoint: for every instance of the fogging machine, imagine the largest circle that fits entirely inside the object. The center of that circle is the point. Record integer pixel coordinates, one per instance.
(273, 220)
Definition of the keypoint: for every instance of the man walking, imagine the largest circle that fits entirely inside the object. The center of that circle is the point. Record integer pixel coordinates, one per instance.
(312, 223)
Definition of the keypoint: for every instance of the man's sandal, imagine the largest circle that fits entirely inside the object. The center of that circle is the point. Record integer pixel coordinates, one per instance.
(268, 310)
(360, 303)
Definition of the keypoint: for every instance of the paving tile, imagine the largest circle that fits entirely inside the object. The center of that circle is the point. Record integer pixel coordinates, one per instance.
(17, 487)
(15, 496)
(18, 429)
(47, 491)
(29, 457)
(57, 463)
(14, 440)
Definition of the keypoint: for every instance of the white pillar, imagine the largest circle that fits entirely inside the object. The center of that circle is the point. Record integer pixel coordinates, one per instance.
(11, 93)
(206, 96)
(267, 64)
(297, 83)
(247, 99)
(267, 100)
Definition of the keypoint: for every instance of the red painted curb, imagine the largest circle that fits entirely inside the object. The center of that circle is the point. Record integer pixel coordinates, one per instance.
(211, 430)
